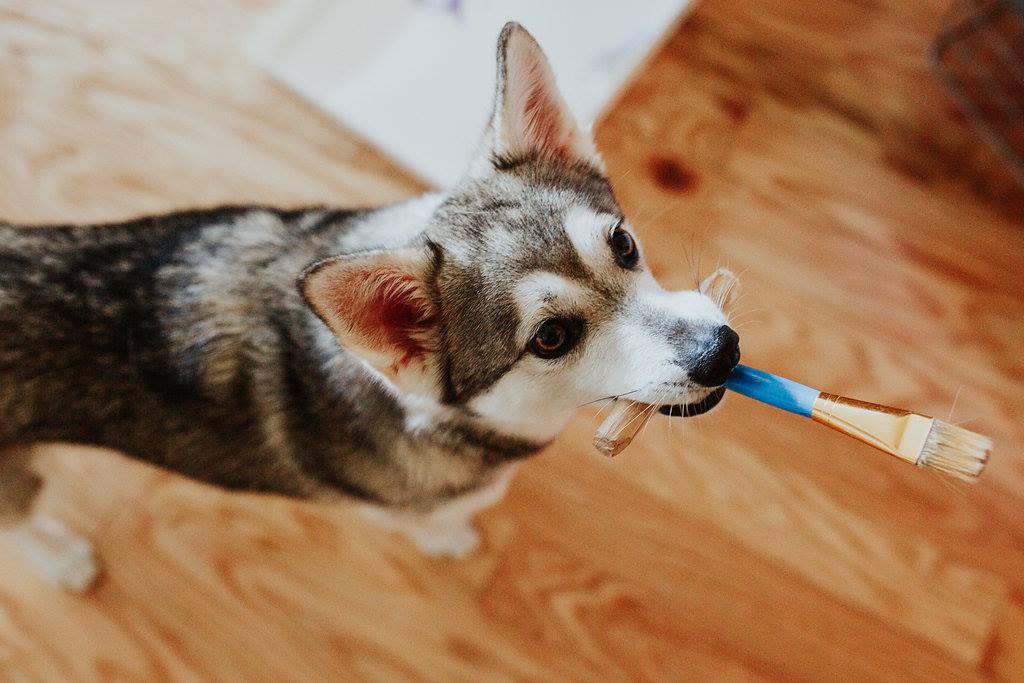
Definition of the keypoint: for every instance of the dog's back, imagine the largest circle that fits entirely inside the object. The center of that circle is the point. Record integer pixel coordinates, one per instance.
(160, 337)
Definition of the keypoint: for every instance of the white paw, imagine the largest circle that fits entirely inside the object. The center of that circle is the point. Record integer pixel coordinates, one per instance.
(60, 555)
(457, 540)
(75, 567)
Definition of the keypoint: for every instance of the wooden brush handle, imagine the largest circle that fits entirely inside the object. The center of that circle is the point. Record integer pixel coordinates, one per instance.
(722, 286)
(621, 425)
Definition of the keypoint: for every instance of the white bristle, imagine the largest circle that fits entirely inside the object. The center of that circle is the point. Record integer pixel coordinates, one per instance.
(955, 451)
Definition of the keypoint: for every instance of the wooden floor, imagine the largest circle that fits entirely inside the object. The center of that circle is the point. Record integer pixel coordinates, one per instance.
(802, 143)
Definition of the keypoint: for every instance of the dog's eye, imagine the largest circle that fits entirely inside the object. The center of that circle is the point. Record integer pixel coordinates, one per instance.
(624, 247)
(554, 338)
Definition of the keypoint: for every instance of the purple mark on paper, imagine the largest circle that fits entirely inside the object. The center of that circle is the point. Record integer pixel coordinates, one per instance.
(453, 6)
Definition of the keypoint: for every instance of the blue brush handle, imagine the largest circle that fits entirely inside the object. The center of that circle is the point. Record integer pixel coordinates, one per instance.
(773, 390)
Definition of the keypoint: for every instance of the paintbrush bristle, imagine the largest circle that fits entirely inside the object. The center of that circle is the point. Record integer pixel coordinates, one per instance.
(955, 451)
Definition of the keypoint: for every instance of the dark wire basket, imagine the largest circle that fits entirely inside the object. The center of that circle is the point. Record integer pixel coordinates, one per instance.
(979, 55)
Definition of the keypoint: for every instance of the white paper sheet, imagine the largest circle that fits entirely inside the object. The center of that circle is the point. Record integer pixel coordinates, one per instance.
(416, 77)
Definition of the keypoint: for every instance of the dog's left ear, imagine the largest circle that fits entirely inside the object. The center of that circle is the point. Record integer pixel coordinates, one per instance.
(530, 115)
(376, 303)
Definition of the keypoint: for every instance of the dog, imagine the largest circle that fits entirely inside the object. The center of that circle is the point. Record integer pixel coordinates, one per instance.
(406, 356)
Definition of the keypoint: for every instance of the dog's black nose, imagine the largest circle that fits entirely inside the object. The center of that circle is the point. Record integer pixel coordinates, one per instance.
(719, 360)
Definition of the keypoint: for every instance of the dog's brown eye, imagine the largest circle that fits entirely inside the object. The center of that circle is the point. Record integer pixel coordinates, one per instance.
(624, 247)
(554, 338)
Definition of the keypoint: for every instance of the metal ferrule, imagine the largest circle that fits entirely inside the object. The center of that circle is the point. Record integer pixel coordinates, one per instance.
(895, 431)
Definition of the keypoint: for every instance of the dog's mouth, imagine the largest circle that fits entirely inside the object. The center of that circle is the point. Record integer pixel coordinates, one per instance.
(697, 407)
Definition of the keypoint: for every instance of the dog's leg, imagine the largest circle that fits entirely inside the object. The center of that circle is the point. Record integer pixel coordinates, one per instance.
(446, 531)
(56, 552)
(448, 538)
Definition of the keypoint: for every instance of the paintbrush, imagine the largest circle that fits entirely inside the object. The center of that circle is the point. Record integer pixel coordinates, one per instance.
(917, 439)
(621, 425)
(911, 437)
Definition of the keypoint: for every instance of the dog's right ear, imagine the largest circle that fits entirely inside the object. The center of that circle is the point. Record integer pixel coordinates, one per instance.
(530, 116)
(377, 303)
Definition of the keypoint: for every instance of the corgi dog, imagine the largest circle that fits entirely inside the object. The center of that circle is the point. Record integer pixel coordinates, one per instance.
(406, 356)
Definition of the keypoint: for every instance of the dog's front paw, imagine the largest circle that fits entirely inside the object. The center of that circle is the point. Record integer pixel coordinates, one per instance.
(458, 540)
(59, 554)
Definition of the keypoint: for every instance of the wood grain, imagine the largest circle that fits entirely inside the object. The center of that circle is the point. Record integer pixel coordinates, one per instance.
(805, 146)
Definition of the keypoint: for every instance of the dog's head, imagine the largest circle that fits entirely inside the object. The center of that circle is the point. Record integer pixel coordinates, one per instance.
(528, 293)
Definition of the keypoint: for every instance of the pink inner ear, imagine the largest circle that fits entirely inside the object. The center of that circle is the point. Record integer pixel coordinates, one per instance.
(538, 120)
(544, 123)
(387, 309)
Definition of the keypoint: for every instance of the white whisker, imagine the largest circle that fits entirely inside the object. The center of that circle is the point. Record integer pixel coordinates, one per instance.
(953, 407)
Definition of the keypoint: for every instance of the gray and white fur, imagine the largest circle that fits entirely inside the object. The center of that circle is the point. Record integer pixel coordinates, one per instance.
(406, 356)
